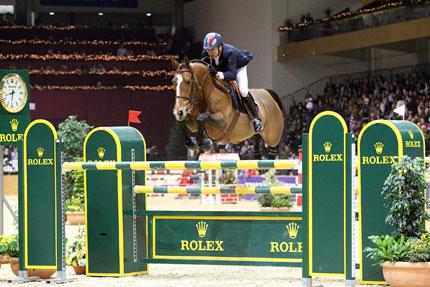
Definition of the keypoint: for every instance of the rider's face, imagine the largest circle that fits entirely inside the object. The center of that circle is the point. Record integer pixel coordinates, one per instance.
(213, 53)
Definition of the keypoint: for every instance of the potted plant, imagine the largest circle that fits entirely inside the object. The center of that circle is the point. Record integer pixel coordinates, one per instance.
(269, 202)
(76, 252)
(75, 205)
(72, 133)
(9, 247)
(405, 254)
(5, 248)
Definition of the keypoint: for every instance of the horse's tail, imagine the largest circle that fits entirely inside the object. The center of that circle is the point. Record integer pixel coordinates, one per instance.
(277, 100)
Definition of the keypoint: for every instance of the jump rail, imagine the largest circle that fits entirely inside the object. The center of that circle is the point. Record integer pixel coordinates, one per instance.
(218, 189)
(183, 165)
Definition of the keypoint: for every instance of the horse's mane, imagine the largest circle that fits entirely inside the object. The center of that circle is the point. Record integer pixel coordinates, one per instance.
(199, 61)
(221, 85)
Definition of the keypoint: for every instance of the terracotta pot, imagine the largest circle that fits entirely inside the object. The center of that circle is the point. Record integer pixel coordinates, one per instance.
(41, 273)
(407, 274)
(4, 259)
(75, 217)
(80, 270)
(275, 209)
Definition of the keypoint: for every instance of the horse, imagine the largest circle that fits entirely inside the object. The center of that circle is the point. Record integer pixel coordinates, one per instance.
(204, 104)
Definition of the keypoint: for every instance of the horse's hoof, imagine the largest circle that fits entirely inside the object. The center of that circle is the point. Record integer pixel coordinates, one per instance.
(206, 145)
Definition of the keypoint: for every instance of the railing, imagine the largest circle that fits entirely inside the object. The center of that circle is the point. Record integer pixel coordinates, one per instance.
(359, 22)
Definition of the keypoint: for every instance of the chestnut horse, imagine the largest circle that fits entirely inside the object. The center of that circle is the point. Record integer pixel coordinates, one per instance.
(204, 104)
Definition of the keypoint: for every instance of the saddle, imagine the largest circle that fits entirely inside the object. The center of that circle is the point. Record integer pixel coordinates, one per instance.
(233, 90)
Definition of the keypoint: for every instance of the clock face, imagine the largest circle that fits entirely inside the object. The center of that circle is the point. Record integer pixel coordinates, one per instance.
(13, 93)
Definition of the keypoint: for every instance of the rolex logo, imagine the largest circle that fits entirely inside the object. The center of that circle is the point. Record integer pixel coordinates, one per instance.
(293, 229)
(327, 146)
(40, 151)
(202, 227)
(379, 147)
(411, 135)
(14, 125)
(101, 152)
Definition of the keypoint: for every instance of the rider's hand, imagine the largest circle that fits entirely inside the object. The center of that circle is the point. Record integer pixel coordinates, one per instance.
(212, 70)
(220, 76)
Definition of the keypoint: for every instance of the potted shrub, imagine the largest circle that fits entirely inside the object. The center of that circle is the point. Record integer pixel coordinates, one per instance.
(10, 249)
(76, 252)
(75, 214)
(72, 133)
(75, 205)
(5, 248)
(405, 254)
(269, 202)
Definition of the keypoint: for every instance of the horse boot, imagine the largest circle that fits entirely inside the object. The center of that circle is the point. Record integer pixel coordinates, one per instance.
(256, 121)
(204, 143)
(191, 143)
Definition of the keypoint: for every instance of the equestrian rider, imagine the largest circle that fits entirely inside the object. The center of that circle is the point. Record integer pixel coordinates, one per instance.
(228, 62)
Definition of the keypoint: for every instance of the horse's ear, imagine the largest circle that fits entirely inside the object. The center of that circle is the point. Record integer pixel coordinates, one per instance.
(186, 61)
(175, 63)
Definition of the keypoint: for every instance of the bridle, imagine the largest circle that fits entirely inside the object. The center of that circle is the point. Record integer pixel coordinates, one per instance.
(193, 97)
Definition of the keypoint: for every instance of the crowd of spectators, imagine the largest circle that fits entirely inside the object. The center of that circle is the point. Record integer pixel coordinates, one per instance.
(363, 100)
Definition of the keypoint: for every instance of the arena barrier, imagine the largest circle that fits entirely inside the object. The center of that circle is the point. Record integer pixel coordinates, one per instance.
(123, 236)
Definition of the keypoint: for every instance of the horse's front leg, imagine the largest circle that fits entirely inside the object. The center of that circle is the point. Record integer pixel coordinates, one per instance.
(204, 142)
(190, 140)
(273, 152)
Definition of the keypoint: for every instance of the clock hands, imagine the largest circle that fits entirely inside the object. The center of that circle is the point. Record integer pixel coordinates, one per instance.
(12, 93)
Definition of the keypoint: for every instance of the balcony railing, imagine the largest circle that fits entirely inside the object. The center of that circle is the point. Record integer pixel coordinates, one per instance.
(359, 22)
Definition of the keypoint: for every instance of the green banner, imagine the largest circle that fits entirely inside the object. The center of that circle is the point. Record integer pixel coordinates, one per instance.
(380, 144)
(327, 195)
(14, 106)
(40, 195)
(227, 237)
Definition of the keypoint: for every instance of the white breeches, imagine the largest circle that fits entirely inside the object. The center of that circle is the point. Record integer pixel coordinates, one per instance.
(242, 81)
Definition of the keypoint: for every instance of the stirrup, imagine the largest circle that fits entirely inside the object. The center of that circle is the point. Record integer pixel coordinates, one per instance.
(257, 125)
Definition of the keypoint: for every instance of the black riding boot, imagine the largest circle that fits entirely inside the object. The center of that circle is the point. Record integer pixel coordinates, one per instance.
(256, 121)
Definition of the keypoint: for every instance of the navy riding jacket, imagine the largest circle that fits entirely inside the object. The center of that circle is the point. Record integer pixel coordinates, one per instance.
(231, 59)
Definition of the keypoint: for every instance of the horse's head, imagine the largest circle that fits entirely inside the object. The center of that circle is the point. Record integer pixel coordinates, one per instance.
(187, 89)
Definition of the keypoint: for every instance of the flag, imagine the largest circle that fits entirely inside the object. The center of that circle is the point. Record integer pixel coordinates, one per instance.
(133, 117)
(401, 111)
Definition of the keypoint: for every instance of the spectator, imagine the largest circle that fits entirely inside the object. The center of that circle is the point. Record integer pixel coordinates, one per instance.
(122, 51)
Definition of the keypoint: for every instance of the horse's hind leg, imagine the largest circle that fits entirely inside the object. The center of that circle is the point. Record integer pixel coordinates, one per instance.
(273, 151)
(257, 140)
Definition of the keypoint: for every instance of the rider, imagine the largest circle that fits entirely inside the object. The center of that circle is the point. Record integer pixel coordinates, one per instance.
(228, 62)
